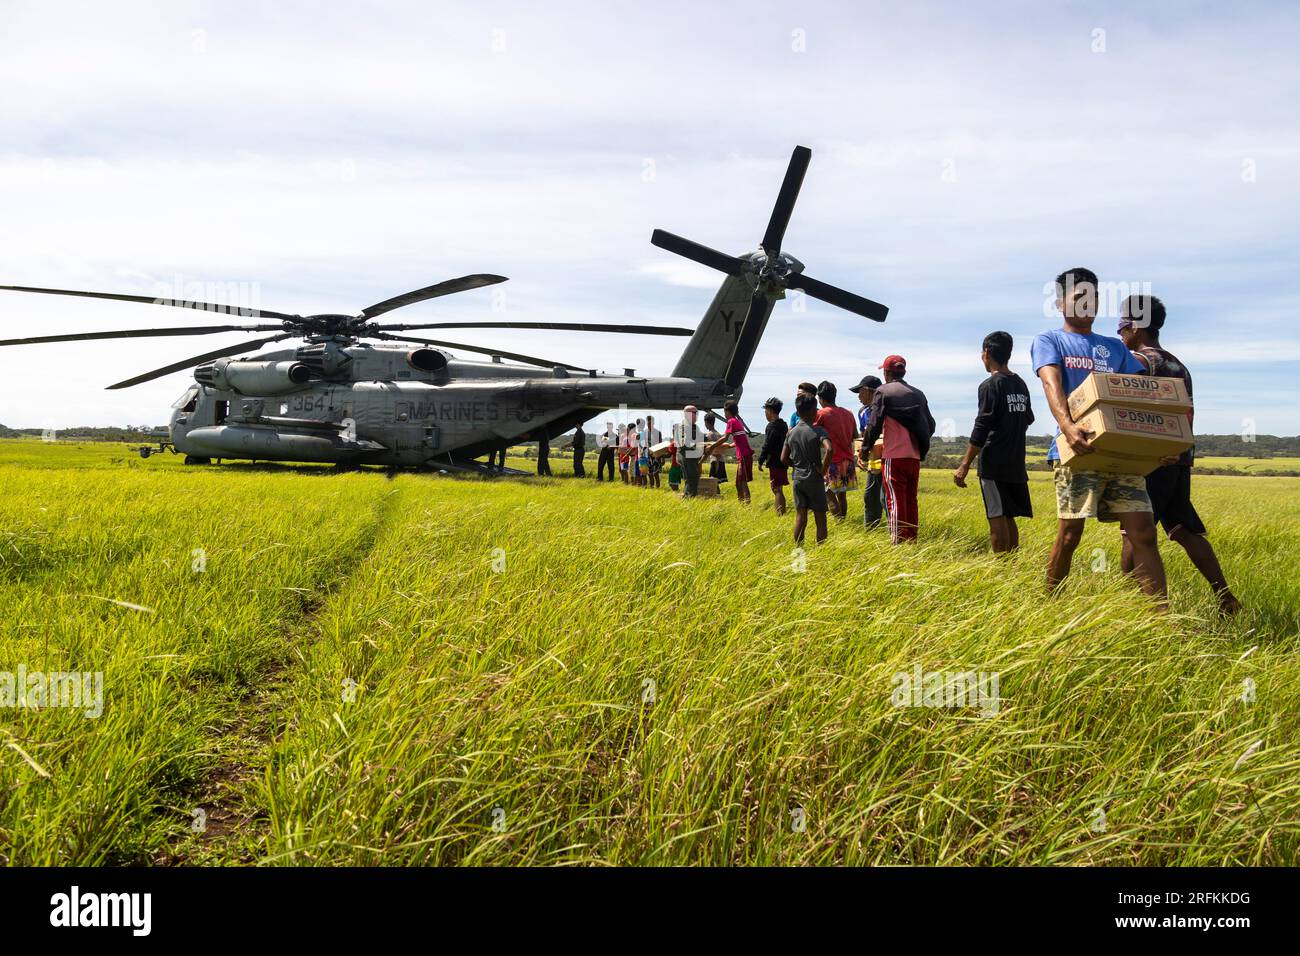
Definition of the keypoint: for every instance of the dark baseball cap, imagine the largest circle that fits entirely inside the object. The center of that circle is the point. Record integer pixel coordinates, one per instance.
(868, 381)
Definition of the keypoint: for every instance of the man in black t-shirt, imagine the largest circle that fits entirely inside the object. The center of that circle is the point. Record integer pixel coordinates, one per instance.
(998, 438)
(1170, 486)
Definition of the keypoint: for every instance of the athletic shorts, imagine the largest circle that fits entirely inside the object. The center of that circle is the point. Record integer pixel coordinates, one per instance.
(810, 495)
(1170, 490)
(777, 477)
(1006, 499)
(745, 468)
(841, 477)
(1095, 494)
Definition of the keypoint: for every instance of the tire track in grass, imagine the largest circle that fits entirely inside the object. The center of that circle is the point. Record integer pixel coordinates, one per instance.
(227, 827)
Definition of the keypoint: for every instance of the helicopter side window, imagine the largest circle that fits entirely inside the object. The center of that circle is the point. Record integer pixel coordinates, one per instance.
(189, 401)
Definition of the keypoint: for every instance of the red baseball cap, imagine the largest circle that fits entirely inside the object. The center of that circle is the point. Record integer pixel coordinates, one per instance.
(895, 363)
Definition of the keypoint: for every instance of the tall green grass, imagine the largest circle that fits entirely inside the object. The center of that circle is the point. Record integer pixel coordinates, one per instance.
(561, 672)
(180, 588)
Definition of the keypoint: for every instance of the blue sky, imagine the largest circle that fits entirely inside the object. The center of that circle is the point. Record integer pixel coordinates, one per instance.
(320, 157)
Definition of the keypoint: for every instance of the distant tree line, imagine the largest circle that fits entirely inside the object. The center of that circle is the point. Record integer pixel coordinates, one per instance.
(87, 432)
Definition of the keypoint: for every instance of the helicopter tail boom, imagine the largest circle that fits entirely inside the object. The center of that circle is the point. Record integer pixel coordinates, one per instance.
(717, 340)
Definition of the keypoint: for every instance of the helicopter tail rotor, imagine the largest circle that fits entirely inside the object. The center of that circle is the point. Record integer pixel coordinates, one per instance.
(768, 272)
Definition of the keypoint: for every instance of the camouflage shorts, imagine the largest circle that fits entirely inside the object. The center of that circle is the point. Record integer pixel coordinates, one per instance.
(1094, 494)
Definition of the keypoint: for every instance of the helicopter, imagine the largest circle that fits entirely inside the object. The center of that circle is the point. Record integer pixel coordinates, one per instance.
(361, 392)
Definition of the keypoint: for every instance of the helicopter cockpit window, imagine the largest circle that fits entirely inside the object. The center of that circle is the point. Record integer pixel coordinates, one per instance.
(189, 401)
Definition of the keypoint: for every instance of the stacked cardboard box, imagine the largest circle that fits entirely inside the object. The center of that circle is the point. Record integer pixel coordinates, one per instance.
(1132, 422)
(662, 450)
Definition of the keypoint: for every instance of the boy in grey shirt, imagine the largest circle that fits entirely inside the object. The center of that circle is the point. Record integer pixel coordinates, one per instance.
(807, 452)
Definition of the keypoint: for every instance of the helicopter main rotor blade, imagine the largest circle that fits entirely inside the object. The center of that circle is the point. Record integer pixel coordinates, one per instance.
(431, 292)
(200, 359)
(557, 326)
(839, 297)
(242, 312)
(139, 333)
(785, 199)
(513, 356)
(705, 256)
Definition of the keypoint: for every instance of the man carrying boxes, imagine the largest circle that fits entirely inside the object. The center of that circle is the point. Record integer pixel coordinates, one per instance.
(1063, 359)
(1170, 486)
(689, 442)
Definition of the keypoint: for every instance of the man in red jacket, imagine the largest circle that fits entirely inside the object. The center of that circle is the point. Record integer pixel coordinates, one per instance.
(902, 414)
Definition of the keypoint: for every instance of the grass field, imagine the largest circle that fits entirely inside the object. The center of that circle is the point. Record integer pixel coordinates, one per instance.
(1278, 466)
(302, 667)
(1249, 465)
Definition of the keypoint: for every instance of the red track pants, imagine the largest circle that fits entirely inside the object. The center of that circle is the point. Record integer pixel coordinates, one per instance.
(902, 476)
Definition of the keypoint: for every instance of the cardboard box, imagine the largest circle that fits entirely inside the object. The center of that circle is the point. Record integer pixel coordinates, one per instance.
(662, 450)
(1109, 464)
(1137, 432)
(1131, 391)
(708, 488)
(1128, 441)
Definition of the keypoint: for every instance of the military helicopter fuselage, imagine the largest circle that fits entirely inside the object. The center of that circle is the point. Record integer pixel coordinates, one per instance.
(406, 401)
(354, 402)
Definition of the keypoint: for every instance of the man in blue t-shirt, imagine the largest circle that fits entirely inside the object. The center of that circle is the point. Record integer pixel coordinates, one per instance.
(1063, 358)
(873, 499)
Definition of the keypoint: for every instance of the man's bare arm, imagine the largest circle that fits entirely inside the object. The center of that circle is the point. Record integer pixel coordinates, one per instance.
(1054, 389)
(963, 468)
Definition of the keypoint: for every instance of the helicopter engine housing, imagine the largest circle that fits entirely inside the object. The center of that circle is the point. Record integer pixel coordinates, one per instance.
(253, 378)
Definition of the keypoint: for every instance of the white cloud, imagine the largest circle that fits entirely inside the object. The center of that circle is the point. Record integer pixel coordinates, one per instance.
(682, 273)
(333, 159)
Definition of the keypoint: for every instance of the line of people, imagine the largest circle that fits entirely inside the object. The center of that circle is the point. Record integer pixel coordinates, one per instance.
(814, 453)
(629, 449)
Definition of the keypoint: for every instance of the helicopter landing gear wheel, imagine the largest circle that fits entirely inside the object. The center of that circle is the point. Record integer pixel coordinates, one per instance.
(195, 460)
